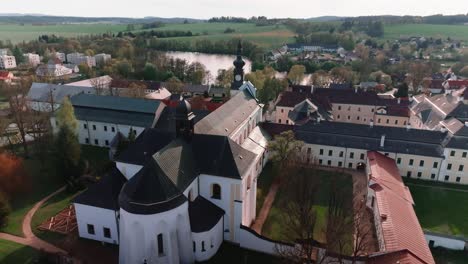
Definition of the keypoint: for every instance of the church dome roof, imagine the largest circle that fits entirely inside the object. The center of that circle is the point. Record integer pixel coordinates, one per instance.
(150, 192)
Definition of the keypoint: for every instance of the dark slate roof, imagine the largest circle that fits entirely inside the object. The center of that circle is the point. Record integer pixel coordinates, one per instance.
(41, 92)
(137, 105)
(459, 140)
(220, 156)
(399, 140)
(148, 142)
(120, 83)
(166, 121)
(117, 110)
(177, 162)
(105, 193)
(204, 215)
(340, 86)
(150, 192)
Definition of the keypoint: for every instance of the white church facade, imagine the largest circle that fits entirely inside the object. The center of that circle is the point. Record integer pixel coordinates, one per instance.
(175, 197)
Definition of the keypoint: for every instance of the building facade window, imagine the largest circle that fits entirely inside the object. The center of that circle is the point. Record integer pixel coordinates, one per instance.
(435, 165)
(433, 176)
(330, 153)
(105, 128)
(94, 127)
(194, 245)
(90, 229)
(351, 155)
(362, 156)
(464, 154)
(329, 163)
(203, 246)
(341, 154)
(85, 126)
(216, 191)
(96, 142)
(321, 151)
(460, 168)
(452, 153)
(340, 164)
(350, 165)
(107, 232)
(113, 129)
(458, 179)
(446, 178)
(87, 140)
(449, 166)
(160, 244)
(421, 163)
(107, 142)
(419, 174)
(408, 174)
(398, 161)
(411, 161)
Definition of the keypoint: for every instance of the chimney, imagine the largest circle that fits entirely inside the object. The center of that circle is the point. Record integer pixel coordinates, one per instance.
(355, 89)
(408, 127)
(312, 89)
(399, 100)
(382, 141)
(466, 123)
(371, 124)
(318, 120)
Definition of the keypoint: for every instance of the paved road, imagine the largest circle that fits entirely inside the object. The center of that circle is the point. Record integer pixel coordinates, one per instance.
(29, 238)
(267, 204)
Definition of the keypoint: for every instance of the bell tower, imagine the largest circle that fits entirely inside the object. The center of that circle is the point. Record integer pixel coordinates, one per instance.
(238, 69)
(184, 119)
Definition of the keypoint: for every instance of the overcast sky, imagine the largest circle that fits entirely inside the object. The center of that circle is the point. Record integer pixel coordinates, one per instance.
(244, 8)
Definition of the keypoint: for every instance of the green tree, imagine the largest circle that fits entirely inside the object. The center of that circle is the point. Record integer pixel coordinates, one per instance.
(124, 68)
(18, 53)
(296, 74)
(68, 150)
(149, 72)
(283, 147)
(4, 210)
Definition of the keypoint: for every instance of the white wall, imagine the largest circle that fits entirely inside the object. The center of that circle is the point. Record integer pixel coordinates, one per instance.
(128, 170)
(139, 233)
(100, 134)
(193, 187)
(100, 218)
(446, 242)
(230, 191)
(212, 239)
(249, 240)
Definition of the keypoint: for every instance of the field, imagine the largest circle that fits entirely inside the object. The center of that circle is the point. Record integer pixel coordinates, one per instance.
(265, 36)
(441, 210)
(18, 33)
(459, 32)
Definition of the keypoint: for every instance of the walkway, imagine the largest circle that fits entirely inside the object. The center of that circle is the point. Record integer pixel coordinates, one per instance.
(30, 238)
(267, 204)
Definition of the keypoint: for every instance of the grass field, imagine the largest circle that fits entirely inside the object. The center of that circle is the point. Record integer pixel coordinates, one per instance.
(18, 33)
(446, 256)
(12, 253)
(265, 36)
(459, 32)
(274, 223)
(441, 211)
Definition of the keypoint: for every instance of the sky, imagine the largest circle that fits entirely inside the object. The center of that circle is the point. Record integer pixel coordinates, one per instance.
(241, 8)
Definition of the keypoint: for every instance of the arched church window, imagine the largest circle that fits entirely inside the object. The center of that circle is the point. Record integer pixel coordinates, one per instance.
(216, 191)
(160, 245)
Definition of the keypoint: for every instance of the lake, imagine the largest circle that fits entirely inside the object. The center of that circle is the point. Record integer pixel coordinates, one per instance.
(212, 62)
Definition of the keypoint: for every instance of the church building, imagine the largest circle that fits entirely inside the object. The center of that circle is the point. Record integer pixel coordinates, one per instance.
(174, 196)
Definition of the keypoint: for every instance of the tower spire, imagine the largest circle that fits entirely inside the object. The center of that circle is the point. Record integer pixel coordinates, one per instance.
(239, 64)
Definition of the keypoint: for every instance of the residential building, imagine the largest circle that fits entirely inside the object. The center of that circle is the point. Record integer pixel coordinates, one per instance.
(340, 105)
(7, 62)
(102, 58)
(46, 97)
(399, 234)
(32, 59)
(440, 112)
(53, 68)
(421, 154)
(137, 88)
(79, 58)
(100, 118)
(4, 52)
(59, 55)
(102, 82)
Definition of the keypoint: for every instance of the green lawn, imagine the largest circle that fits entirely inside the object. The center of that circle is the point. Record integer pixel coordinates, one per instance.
(274, 225)
(441, 211)
(12, 253)
(18, 33)
(42, 183)
(266, 36)
(446, 256)
(49, 209)
(396, 31)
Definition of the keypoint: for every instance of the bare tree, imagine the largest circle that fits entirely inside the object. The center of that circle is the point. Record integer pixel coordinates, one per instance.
(100, 84)
(363, 229)
(298, 214)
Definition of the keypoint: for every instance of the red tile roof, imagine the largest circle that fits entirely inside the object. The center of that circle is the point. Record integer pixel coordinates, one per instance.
(400, 226)
(4, 75)
(457, 83)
